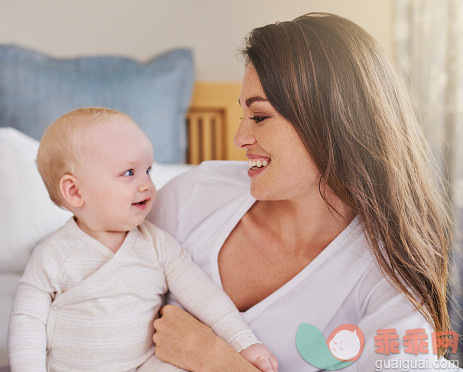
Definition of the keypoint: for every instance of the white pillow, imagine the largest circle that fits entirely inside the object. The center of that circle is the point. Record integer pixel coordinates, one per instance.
(27, 214)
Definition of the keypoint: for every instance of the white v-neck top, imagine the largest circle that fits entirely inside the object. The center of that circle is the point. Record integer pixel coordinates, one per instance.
(343, 284)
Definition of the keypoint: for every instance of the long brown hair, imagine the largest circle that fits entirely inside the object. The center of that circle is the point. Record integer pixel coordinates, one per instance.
(332, 81)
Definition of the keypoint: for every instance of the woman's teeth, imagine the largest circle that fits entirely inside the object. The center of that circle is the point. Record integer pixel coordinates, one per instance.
(257, 163)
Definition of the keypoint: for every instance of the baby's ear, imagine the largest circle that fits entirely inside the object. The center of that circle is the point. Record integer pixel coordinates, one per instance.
(70, 191)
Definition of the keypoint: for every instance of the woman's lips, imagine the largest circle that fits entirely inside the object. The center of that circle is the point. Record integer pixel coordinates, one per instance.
(257, 163)
(252, 156)
(257, 166)
(255, 171)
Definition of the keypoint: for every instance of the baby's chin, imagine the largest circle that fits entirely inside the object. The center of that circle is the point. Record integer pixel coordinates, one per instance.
(134, 225)
(125, 227)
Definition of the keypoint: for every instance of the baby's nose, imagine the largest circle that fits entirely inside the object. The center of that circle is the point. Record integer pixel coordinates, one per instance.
(145, 187)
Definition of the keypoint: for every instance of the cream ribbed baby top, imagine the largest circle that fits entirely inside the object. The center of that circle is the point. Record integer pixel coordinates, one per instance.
(81, 307)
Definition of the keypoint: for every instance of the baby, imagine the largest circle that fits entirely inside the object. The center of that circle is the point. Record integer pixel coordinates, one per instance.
(91, 289)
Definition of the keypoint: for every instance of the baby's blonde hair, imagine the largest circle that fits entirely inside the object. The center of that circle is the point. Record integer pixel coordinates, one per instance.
(59, 150)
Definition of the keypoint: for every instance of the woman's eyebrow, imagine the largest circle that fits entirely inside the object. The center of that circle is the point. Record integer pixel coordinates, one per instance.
(252, 99)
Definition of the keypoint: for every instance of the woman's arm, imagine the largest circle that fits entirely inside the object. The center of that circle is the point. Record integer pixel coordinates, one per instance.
(184, 341)
(386, 315)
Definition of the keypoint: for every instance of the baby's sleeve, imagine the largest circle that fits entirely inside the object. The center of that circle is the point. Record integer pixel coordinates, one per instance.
(27, 340)
(200, 296)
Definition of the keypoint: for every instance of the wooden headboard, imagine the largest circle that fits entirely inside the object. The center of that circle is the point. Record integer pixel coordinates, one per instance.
(212, 121)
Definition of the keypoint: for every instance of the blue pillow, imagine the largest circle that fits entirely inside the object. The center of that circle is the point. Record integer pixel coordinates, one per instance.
(36, 89)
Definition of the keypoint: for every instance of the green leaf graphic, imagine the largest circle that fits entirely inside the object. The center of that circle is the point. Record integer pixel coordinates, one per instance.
(312, 347)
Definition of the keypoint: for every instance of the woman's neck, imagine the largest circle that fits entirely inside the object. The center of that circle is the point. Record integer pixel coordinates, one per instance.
(303, 225)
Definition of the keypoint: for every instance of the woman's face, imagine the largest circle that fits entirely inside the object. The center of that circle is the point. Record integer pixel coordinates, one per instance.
(280, 167)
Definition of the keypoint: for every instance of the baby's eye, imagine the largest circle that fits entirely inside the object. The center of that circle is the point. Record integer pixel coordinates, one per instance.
(148, 171)
(258, 119)
(130, 172)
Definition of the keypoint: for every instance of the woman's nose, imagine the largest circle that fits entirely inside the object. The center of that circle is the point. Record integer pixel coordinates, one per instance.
(244, 137)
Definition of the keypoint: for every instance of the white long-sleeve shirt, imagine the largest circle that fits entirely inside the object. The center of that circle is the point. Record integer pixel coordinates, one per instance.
(80, 306)
(343, 284)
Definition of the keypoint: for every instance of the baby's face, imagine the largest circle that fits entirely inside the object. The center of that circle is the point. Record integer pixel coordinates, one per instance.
(116, 186)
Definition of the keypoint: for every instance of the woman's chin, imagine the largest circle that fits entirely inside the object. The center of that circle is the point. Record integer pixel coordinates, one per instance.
(261, 193)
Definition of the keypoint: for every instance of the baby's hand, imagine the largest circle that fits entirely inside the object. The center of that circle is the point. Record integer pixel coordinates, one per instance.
(260, 357)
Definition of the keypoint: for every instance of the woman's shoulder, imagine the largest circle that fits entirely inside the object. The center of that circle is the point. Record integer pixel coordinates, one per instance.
(209, 176)
(225, 169)
(215, 171)
(210, 184)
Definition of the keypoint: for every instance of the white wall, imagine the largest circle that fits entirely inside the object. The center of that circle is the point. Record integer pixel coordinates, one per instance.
(214, 29)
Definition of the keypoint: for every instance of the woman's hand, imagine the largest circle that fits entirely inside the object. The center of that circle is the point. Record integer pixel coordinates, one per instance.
(180, 338)
(184, 341)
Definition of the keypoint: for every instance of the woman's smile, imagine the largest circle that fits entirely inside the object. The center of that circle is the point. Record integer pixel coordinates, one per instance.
(257, 164)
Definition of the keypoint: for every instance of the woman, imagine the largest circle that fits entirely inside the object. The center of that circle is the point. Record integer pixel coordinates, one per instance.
(337, 220)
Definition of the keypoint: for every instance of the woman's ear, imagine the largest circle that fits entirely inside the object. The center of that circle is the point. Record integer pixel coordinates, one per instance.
(70, 191)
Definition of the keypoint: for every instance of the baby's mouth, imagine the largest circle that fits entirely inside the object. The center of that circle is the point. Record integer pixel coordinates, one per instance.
(142, 202)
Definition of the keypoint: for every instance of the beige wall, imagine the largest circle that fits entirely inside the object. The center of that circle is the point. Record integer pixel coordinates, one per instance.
(214, 29)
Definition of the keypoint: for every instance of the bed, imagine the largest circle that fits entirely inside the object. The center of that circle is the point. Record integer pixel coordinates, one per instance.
(187, 123)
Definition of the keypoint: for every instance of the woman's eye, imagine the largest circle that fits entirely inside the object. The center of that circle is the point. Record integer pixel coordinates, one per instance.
(130, 172)
(148, 171)
(258, 119)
